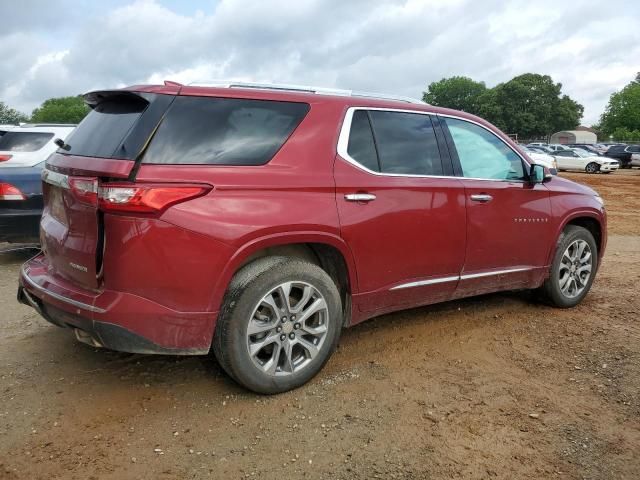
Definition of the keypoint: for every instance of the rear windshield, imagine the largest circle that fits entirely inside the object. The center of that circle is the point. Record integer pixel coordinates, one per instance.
(223, 131)
(24, 141)
(102, 131)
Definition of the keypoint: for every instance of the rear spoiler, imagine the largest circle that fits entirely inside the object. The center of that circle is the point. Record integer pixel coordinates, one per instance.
(94, 98)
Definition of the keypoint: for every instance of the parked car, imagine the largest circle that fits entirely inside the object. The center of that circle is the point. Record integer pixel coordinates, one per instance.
(556, 147)
(585, 146)
(538, 144)
(20, 204)
(30, 144)
(623, 154)
(545, 150)
(543, 159)
(635, 155)
(584, 161)
(258, 221)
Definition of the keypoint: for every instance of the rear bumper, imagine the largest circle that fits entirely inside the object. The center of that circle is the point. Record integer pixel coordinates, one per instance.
(114, 320)
(20, 225)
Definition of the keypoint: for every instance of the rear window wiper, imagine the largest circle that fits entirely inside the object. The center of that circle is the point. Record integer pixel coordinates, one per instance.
(60, 143)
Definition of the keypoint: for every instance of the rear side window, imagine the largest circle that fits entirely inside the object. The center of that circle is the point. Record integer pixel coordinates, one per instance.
(24, 141)
(406, 143)
(362, 147)
(223, 131)
(102, 131)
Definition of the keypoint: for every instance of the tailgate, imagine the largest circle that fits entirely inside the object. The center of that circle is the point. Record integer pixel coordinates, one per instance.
(70, 229)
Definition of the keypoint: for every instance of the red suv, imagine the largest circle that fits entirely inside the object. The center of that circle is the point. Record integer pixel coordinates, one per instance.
(258, 221)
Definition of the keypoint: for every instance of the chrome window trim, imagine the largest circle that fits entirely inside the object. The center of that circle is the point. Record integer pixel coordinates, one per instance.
(345, 130)
(57, 296)
(433, 281)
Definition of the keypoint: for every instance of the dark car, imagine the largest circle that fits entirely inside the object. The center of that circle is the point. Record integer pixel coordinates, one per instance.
(585, 146)
(259, 221)
(20, 204)
(623, 153)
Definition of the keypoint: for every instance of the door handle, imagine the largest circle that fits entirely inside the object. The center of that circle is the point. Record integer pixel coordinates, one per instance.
(481, 197)
(359, 197)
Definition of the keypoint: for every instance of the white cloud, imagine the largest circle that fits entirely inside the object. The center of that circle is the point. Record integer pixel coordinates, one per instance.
(394, 46)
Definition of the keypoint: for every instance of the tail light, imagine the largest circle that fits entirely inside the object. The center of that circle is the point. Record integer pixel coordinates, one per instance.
(137, 198)
(4, 158)
(9, 192)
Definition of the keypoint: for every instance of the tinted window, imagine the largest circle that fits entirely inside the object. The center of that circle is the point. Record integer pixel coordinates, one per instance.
(406, 143)
(634, 149)
(482, 154)
(361, 144)
(564, 153)
(104, 128)
(24, 141)
(223, 131)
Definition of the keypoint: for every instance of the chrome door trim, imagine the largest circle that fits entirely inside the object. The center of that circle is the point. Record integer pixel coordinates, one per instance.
(343, 144)
(421, 283)
(59, 297)
(433, 281)
(481, 197)
(494, 272)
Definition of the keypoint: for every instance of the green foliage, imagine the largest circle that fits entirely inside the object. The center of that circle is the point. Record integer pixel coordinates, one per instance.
(623, 134)
(460, 93)
(530, 105)
(10, 116)
(60, 110)
(623, 110)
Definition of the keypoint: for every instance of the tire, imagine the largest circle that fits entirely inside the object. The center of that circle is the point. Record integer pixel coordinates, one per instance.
(552, 288)
(592, 167)
(286, 353)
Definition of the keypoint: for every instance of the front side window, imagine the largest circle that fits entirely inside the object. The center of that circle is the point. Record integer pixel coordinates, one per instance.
(23, 141)
(482, 154)
(223, 131)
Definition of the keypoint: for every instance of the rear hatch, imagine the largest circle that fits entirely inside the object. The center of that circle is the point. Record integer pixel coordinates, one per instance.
(103, 148)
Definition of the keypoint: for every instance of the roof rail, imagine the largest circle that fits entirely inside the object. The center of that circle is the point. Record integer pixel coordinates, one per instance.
(302, 88)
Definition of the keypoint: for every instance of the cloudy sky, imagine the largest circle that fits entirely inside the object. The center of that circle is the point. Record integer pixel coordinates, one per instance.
(65, 47)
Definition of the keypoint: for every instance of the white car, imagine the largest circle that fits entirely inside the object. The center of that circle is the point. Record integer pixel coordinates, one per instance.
(577, 159)
(556, 147)
(542, 159)
(30, 144)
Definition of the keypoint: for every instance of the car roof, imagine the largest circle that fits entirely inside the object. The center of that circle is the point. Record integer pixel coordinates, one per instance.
(292, 93)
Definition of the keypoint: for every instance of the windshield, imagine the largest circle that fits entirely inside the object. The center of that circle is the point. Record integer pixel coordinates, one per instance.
(582, 153)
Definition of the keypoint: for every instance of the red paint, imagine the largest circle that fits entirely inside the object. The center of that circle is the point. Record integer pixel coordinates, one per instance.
(162, 274)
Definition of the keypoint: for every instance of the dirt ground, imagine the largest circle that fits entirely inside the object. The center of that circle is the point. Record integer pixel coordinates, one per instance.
(491, 387)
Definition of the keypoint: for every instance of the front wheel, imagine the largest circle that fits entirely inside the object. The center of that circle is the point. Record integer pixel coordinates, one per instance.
(592, 167)
(573, 268)
(279, 324)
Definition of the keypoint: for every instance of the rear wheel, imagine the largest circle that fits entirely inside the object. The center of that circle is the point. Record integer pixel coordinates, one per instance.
(573, 268)
(592, 167)
(279, 324)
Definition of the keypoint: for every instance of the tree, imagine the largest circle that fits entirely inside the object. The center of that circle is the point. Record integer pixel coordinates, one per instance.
(11, 116)
(531, 106)
(623, 110)
(60, 110)
(460, 93)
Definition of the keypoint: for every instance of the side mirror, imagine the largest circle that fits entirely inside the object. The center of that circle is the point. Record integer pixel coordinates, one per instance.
(539, 174)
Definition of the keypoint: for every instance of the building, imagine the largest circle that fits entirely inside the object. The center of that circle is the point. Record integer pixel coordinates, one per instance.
(574, 136)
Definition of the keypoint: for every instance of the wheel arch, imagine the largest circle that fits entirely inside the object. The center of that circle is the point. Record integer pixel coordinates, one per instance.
(588, 219)
(326, 250)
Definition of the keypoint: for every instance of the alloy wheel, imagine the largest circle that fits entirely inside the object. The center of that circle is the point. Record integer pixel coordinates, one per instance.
(575, 269)
(288, 328)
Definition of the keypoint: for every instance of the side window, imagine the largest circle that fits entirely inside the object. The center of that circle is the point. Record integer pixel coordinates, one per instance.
(482, 154)
(406, 143)
(564, 153)
(361, 146)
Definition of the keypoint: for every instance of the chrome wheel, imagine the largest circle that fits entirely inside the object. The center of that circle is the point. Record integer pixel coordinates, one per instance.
(288, 328)
(592, 168)
(575, 269)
